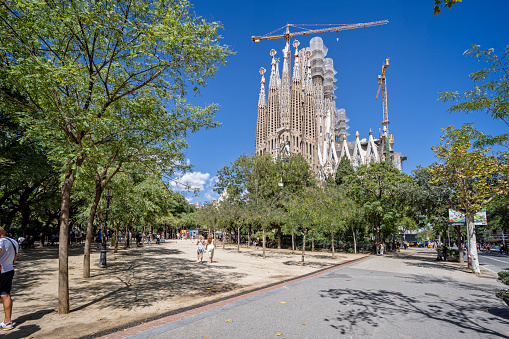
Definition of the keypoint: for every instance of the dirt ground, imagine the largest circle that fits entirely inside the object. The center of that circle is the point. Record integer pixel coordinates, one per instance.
(140, 283)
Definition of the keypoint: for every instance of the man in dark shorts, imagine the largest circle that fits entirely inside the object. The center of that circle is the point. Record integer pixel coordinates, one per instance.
(8, 255)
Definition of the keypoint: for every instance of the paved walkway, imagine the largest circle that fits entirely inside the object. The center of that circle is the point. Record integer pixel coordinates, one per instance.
(406, 295)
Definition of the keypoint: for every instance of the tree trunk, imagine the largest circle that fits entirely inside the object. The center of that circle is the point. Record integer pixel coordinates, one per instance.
(10, 218)
(354, 241)
(51, 217)
(332, 242)
(293, 243)
(263, 241)
(248, 236)
(238, 239)
(279, 237)
(89, 238)
(312, 241)
(63, 246)
(460, 246)
(377, 234)
(116, 240)
(126, 242)
(224, 239)
(25, 217)
(472, 246)
(303, 247)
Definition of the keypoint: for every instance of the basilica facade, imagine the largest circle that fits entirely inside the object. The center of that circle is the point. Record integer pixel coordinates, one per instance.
(297, 113)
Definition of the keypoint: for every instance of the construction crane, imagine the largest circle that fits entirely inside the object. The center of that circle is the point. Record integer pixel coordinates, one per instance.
(383, 85)
(287, 35)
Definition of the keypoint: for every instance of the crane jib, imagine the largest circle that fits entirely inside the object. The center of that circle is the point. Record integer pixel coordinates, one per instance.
(288, 35)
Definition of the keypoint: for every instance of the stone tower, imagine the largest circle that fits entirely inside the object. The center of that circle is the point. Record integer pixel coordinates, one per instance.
(300, 114)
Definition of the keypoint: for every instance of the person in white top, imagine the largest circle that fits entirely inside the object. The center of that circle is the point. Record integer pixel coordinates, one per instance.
(8, 255)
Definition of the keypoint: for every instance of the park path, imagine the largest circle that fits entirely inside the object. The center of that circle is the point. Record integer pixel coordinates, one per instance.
(402, 295)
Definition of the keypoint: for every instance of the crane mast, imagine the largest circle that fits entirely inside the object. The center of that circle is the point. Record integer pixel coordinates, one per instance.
(287, 35)
(382, 84)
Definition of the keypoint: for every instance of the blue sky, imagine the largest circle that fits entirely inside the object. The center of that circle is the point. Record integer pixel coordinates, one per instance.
(426, 56)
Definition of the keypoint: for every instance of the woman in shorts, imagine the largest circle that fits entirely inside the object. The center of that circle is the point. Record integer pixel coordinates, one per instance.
(211, 246)
(201, 248)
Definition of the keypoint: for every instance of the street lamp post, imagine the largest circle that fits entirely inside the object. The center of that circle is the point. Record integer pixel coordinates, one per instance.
(108, 193)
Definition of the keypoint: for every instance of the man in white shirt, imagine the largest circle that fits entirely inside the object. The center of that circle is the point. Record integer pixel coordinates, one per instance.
(8, 255)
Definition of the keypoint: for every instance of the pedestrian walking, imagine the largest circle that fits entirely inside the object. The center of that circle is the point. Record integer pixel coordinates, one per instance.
(211, 246)
(8, 255)
(149, 237)
(73, 238)
(139, 239)
(201, 248)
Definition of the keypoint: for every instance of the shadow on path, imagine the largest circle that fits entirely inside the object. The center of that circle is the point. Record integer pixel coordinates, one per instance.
(369, 308)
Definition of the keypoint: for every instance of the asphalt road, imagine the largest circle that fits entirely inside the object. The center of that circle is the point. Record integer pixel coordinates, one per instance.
(494, 261)
(406, 297)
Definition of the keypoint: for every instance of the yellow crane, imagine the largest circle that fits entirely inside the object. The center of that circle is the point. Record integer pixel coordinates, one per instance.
(383, 85)
(287, 35)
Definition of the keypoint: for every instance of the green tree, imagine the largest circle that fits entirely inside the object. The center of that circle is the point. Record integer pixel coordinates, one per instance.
(345, 169)
(28, 180)
(93, 72)
(374, 189)
(263, 183)
(303, 210)
(472, 177)
(490, 96)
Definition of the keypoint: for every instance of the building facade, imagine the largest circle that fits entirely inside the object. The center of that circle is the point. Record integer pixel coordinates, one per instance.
(298, 114)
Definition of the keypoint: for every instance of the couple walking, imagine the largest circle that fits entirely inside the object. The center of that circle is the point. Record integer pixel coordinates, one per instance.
(202, 247)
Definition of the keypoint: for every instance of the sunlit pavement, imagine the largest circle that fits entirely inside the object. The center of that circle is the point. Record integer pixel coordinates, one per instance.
(399, 296)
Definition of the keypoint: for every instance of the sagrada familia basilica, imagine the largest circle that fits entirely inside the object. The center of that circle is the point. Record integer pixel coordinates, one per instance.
(299, 115)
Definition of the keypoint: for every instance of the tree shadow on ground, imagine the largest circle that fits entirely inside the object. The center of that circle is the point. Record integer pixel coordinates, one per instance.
(323, 256)
(440, 283)
(313, 264)
(51, 252)
(437, 265)
(367, 307)
(152, 276)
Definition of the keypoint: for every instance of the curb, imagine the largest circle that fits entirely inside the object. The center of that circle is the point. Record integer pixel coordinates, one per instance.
(175, 315)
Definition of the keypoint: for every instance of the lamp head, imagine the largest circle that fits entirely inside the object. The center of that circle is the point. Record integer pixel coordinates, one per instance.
(108, 192)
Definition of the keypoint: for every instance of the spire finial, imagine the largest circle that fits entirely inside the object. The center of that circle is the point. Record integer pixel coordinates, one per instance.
(370, 132)
(357, 134)
(262, 71)
(296, 44)
(286, 50)
(273, 63)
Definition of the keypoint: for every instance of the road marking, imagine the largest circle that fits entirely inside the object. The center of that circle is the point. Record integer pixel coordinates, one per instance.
(505, 262)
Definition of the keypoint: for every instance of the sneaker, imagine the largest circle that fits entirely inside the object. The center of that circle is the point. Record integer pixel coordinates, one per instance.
(6, 326)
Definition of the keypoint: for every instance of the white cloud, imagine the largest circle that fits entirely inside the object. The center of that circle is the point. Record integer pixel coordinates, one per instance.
(213, 181)
(209, 196)
(188, 162)
(189, 199)
(190, 181)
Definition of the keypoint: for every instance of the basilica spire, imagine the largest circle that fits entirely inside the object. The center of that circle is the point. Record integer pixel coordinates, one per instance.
(309, 83)
(273, 82)
(261, 120)
(261, 97)
(285, 88)
(296, 65)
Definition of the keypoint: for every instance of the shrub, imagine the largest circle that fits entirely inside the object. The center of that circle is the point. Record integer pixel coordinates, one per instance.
(503, 275)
